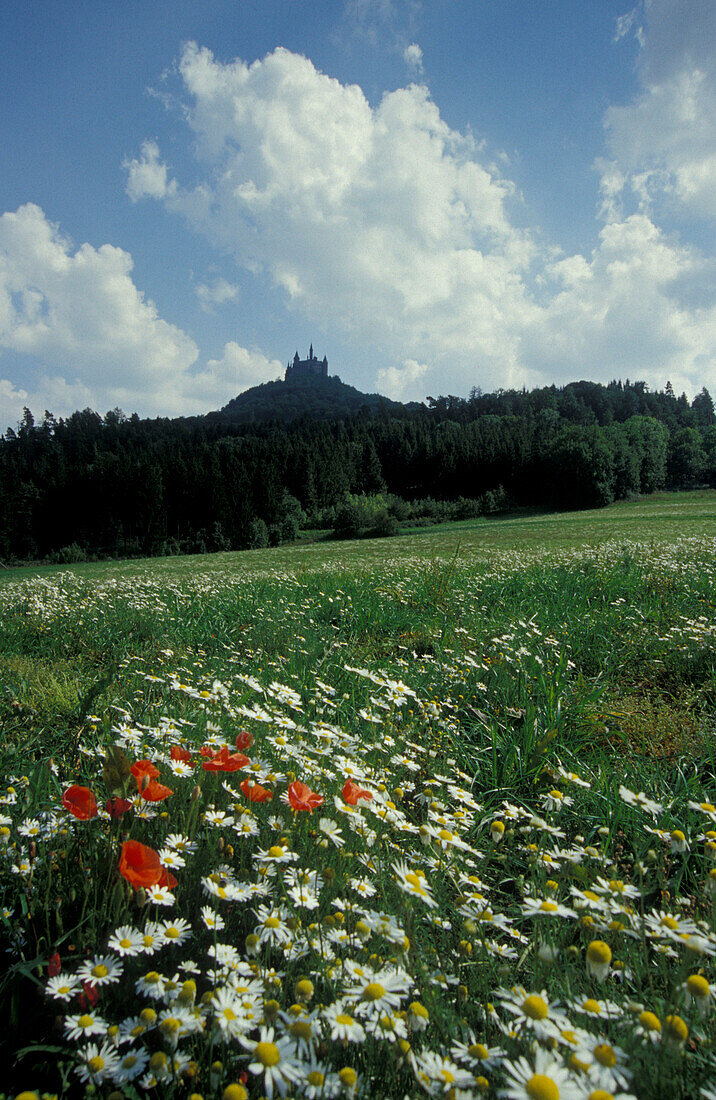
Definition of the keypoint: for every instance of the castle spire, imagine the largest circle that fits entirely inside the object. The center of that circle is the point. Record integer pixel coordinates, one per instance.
(310, 352)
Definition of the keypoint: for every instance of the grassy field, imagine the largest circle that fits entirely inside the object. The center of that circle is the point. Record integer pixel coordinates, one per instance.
(519, 903)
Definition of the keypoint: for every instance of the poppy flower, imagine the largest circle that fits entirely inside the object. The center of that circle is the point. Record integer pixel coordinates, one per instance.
(117, 807)
(89, 998)
(153, 791)
(177, 752)
(352, 792)
(255, 792)
(54, 965)
(302, 797)
(244, 740)
(80, 802)
(142, 768)
(141, 866)
(225, 761)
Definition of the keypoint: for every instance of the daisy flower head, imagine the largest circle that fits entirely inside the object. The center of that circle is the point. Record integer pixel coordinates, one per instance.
(63, 987)
(706, 808)
(342, 1025)
(548, 1079)
(273, 1059)
(436, 1069)
(414, 883)
(331, 831)
(378, 992)
(699, 992)
(101, 970)
(84, 1024)
(545, 907)
(130, 1065)
(160, 895)
(126, 941)
(533, 1011)
(599, 957)
(212, 919)
(640, 801)
(97, 1063)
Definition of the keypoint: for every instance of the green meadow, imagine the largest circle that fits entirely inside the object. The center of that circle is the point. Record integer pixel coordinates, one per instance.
(440, 816)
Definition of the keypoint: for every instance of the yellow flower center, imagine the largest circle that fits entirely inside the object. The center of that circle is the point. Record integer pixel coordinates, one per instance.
(125, 943)
(85, 1021)
(600, 1094)
(599, 952)
(549, 907)
(669, 922)
(268, 1054)
(172, 933)
(540, 1087)
(373, 992)
(605, 1055)
(301, 1029)
(590, 1005)
(649, 1021)
(275, 851)
(477, 1050)
(272, 922)
(698, 986)
(100, 971)
(676, 1029)
(315, 1077)
(96, 1064)
(536, 1008)
(346, 1021)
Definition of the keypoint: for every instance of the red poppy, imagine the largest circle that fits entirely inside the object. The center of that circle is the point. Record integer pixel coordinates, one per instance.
(142, 768)
(153, 791)
(255, 792)
(117, 807)
(89, 998)
(177, 752)
(244, 740)
(352, 792)
(141, 866)
(54, 965)
(225, 761)
(80, 801)
(302, 797)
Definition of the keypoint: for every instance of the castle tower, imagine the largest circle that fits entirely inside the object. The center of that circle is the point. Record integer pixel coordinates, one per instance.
(305, 368)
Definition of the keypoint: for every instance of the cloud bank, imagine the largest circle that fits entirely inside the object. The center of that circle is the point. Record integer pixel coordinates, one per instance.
(406, 237)
(99, 342)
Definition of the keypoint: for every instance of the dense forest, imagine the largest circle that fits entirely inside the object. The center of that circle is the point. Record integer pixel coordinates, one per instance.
(115, 485)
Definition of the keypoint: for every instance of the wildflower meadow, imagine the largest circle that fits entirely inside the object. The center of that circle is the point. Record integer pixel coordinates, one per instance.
(422, 819)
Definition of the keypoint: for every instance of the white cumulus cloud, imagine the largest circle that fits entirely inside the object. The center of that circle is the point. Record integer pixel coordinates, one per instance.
(401, 231)
(92, 338)
(413, 57)
(662, 145)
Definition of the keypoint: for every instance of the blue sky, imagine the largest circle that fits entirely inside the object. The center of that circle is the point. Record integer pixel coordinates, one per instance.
(438, 195)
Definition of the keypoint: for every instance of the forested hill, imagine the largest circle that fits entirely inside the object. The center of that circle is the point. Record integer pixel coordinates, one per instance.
(120, 485)
(320, 398)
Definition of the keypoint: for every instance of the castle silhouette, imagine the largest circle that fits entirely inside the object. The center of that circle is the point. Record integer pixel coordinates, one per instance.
(304, 368)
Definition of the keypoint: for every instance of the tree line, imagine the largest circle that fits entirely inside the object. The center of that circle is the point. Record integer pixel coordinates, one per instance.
(89, 485)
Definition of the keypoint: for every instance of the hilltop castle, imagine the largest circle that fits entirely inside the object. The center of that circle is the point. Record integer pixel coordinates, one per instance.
(305, 368)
